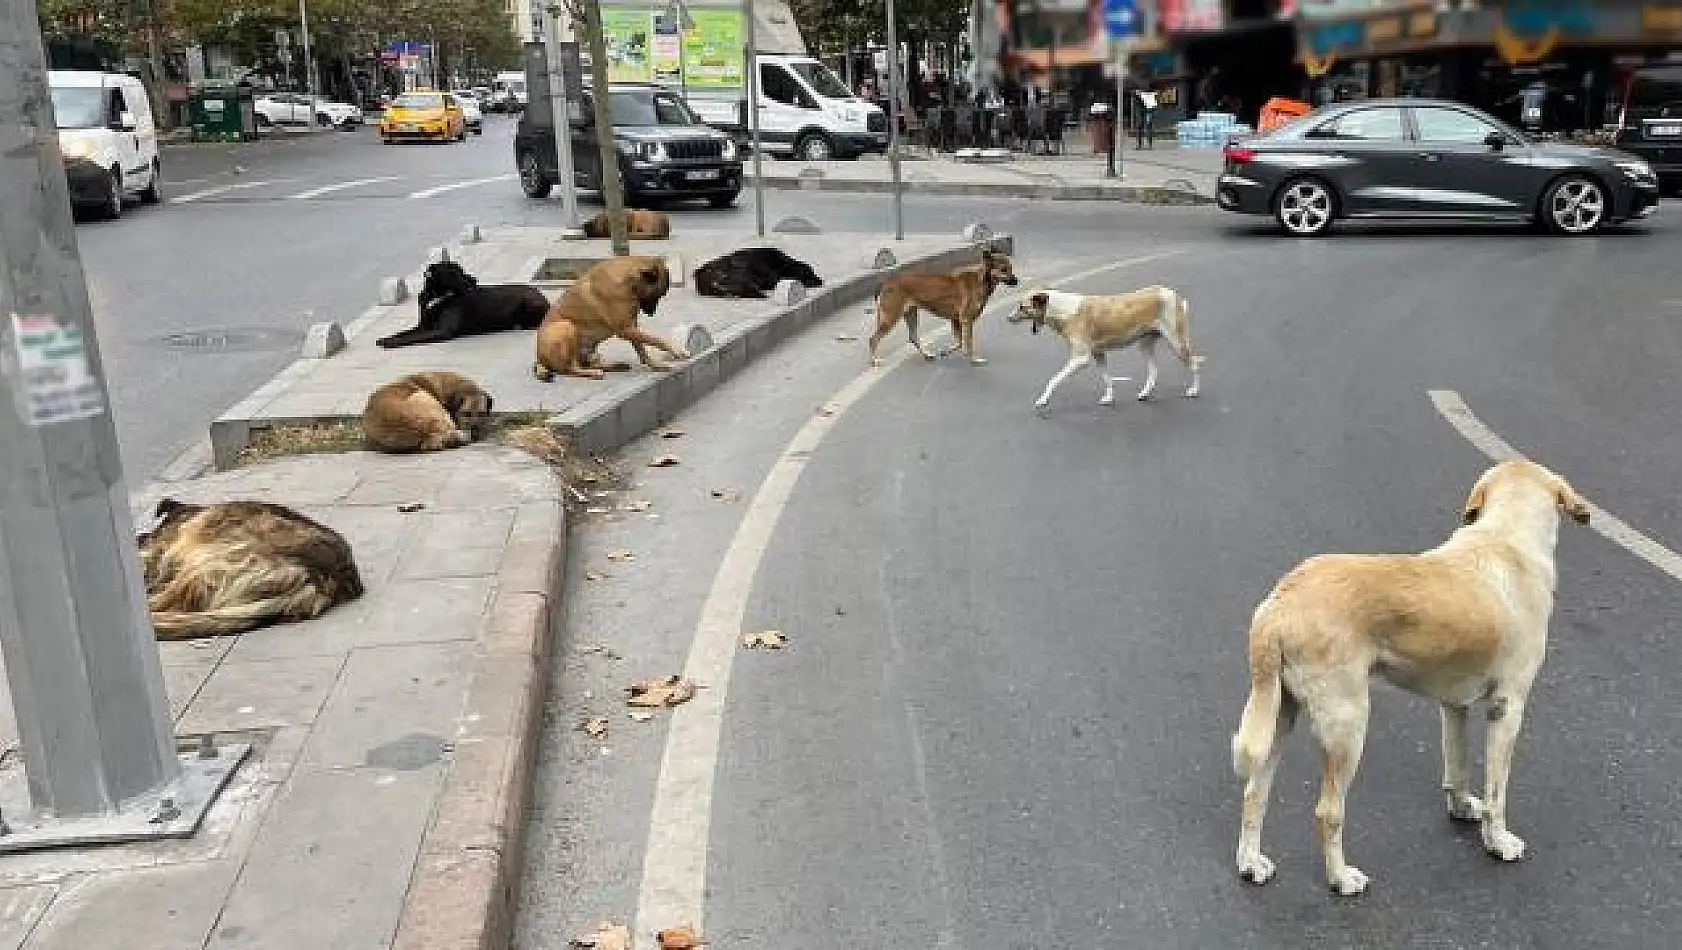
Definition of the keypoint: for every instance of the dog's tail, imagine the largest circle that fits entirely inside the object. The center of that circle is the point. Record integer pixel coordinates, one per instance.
(1257, 730)
(235, 618)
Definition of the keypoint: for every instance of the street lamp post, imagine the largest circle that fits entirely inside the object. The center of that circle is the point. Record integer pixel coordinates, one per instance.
(750, 64)
(560, 116)
(309, 63)
(893, 121)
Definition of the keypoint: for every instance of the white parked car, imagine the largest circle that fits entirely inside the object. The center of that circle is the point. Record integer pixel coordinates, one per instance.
(291, 108)
(107, 138)
(470, 110)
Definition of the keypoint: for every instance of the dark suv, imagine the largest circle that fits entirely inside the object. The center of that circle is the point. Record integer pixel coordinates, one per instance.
(1650, 122)
(665, 152)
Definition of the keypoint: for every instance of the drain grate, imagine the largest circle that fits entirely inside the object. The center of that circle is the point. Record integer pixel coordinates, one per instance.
(228, 340)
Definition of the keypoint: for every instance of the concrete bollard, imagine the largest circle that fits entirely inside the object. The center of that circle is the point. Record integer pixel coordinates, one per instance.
(811, 179)
(437, 254)
(883, 258)
(697, 339)
(796, 225)
(393, 292)
(674, 265)
(977, 231)
(788, 293)
(471, 234)
(323, 340)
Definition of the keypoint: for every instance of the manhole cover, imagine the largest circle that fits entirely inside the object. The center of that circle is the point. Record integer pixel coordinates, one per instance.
(228, 340)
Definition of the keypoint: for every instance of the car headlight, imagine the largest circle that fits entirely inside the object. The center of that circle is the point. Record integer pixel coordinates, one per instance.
(651, 152)
(729, 153)
(79, 148)
(1636, 171)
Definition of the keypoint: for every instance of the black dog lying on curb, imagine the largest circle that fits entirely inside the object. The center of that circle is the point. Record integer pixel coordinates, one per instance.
(751, 272)
(452, 304)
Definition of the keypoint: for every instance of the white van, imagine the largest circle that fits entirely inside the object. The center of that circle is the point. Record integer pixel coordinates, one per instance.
(107, 138)
(805, 112)
(508, 92)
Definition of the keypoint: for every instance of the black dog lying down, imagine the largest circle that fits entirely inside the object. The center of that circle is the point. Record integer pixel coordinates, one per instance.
(751, 272)
(452, 304)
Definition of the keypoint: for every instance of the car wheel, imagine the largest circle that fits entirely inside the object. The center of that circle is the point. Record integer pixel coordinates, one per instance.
(814, 147)
(263, 120)
(154, 192)
(113, 205)
(1305, 207)
(532, 180)
(478, 130)
(1576, 205)
(723, 201)
(323, 119)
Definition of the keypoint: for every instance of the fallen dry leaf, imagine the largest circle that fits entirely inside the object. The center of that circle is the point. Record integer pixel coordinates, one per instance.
(641, 504)
(595, 727)
(601, 649)
(672, 433)
(411, 506)
(640, 716)
(727, 494)
(596, 510)
(621, 554)
(664, 461)
(593, 575)
(608, 936)
(658, 691)
(845, 337)
(679, 938)
(769, 639)
(829, 409)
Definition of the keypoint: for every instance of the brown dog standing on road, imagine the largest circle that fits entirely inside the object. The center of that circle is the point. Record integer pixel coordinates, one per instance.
(959, 296)
(213, 570)
(641, 224)
(604, 302)
(426, 412)
(1463, 623)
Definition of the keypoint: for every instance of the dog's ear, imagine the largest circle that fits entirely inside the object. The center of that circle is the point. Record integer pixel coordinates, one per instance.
(1475, 501)
(1570, 502)
(444, 254)
(165, 506)
(1040, 299)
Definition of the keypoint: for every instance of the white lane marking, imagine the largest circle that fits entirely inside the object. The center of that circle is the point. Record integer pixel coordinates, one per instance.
(674, 872)
(218, 190)
(1606, 524)
(452, 186)
(341, 186)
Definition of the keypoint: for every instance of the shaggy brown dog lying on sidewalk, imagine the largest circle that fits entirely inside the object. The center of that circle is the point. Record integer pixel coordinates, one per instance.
(425, 412)
(640, 225)
(222, 569)
(604, 302)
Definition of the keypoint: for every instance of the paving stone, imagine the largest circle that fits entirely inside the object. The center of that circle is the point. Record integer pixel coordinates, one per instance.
(389, 702)
(252, 694)
(175, 906)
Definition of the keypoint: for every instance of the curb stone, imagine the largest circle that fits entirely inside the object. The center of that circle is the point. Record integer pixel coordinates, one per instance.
(1126, 194)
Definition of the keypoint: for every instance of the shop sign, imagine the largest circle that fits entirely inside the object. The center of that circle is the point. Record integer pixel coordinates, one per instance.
(1384, 30)
(1661, 19)
(1423, 23)
(1185, 16)
(1332, 37)
(1337, 9)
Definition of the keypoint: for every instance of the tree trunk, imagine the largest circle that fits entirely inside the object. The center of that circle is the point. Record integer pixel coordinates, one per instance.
(613, 194)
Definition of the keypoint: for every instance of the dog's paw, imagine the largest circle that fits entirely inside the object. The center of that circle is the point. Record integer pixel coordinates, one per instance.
(1465, 807)
(1351, 882)
(1503, 845)
(1256, 868)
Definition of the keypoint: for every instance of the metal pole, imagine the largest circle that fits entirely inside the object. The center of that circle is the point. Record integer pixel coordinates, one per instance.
(309, 64)
(560, 117)
(1113, 167)
(750, 60)
(81, 661)
(893, 122)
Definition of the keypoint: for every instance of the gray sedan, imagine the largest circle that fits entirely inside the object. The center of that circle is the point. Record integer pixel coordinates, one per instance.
(1428, 159)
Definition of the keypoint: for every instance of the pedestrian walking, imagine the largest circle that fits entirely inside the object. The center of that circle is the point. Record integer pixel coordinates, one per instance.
(1146, 108)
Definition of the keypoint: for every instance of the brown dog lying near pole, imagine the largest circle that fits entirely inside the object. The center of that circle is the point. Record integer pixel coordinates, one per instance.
(640, 225)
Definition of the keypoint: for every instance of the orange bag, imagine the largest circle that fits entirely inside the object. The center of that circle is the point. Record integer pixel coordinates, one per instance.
(1279, 111)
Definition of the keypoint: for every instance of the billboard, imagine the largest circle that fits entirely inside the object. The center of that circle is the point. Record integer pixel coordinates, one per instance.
(644, 45)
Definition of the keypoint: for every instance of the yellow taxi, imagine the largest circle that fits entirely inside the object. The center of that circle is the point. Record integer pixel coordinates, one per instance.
(423, 114)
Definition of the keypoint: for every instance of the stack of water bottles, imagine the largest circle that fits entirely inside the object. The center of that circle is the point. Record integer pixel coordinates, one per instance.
(1211, 130)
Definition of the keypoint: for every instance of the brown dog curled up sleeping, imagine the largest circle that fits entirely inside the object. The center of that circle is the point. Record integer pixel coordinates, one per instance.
(425, 412)
(213, 570)
(641, 224)
(604, 302)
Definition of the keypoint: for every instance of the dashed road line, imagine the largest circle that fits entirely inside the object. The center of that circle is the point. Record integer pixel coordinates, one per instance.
(675, 860)
(452, 186)
(1607, 525)
(342, 186)
(219, 190)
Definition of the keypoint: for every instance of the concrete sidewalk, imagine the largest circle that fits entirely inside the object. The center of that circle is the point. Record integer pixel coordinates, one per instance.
(1162, 175)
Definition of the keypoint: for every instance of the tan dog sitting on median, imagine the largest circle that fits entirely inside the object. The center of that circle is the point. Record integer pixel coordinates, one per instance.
(604, 302)
(640, 225)
(959, 296)
(1094, 325)
(1463, 623)
(425, 412)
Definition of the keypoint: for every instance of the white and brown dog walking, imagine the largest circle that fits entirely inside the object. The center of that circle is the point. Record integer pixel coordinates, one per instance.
(1094, 325)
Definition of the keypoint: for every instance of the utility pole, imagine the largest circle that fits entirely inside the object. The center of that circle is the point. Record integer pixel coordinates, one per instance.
(893, 122)
(309, 63)
(750, 62)
(561, 116)
(81, 658)
(613, 194)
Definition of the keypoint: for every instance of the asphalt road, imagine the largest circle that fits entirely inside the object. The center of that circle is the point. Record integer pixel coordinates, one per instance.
(203, 299)
(1016, 650)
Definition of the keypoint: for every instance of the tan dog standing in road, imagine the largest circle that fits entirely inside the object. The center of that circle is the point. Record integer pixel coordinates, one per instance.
(641, 224)
(604, 302)
(1094, 325)
(959, 296)
(1463, 623)
(213, 570)
(425, 412)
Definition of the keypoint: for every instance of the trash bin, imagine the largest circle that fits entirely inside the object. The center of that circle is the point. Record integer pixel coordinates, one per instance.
(1100, 125)
(224, 114)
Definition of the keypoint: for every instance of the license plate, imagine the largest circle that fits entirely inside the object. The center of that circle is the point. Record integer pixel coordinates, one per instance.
(1665, 131)
(705, 174)
(407, 127)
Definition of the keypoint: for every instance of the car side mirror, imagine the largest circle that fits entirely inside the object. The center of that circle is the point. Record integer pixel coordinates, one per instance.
(127, 122)
(1495, 141)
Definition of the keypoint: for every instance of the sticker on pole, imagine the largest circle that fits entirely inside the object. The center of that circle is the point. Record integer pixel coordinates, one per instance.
(52, 371)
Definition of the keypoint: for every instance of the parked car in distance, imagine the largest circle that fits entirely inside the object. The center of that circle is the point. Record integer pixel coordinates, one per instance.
(1428, 159)
(1650, 122)
(108, 139)
(508, 92)
(665, 151)
(291, 108)
(470, 111)
(423, 115)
